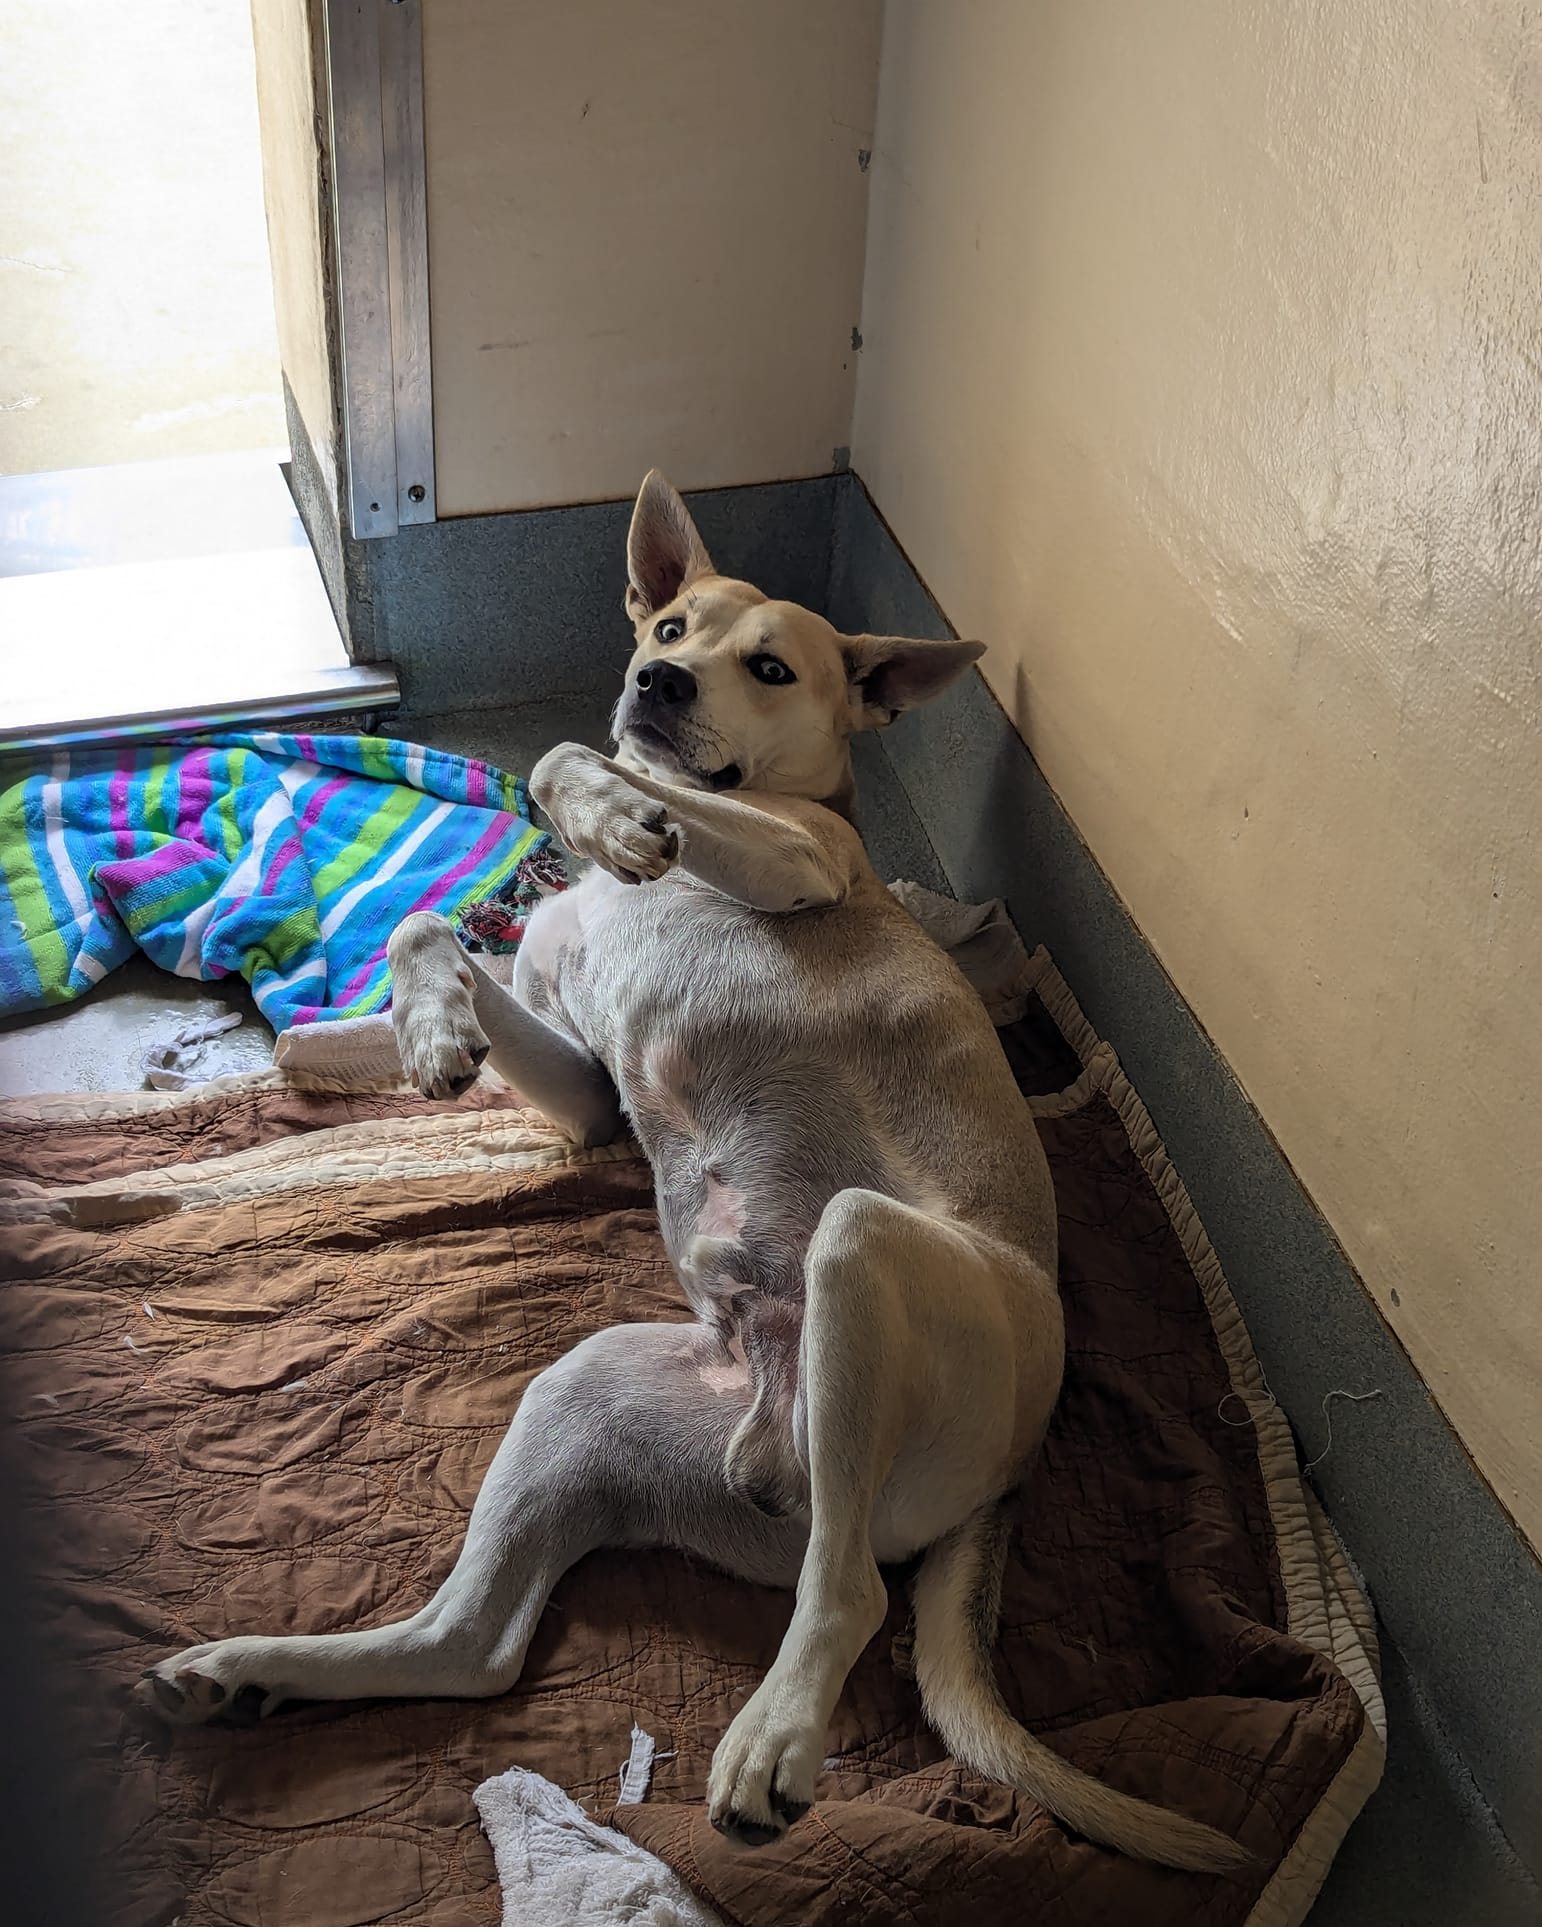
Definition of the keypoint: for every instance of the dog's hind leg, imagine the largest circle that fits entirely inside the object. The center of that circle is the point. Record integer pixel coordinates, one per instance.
(929, 1360)
(449, 1014)
(619, 1443)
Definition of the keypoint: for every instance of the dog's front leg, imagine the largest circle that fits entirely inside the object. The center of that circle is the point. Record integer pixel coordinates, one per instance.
(449, 1014)
(775, 853)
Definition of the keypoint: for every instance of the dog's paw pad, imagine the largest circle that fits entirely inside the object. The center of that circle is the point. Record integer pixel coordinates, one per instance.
(441, 1051)
(634, 843)
(747, 1833)
(248, 1705)
(791, 1811)
(182, 1694)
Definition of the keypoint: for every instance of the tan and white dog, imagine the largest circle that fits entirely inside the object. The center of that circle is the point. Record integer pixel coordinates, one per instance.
(851, 1189)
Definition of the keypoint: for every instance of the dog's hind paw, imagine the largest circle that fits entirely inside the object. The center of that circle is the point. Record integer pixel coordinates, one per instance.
(186, 1690)
(433, 1009)
(762, 1779)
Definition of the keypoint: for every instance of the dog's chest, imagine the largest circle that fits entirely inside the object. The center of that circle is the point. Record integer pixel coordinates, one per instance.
(631, 967)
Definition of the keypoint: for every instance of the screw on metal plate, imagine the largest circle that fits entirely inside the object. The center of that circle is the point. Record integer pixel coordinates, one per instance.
(417, 492)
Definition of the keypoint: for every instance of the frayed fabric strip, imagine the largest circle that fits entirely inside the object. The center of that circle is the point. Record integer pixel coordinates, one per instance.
(637, 1770)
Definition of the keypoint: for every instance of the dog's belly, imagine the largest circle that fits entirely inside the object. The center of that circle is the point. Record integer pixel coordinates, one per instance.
(744, 1173)
(769, 1062)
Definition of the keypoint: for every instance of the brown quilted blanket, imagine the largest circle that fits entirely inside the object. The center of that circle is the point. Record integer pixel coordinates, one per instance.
(262, 1343)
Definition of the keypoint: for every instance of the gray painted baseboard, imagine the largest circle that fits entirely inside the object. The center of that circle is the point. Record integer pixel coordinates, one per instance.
(505, 608)
(1455, 1584)
(508, 609)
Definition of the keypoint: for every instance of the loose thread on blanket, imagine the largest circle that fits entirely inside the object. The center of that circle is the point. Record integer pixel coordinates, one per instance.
(1268, 1401)
(1360, 1398)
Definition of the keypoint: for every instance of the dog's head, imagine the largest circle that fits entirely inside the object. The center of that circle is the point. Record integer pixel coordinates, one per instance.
(730, 690)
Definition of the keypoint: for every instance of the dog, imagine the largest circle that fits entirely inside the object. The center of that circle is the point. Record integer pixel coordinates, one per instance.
(851, 1190)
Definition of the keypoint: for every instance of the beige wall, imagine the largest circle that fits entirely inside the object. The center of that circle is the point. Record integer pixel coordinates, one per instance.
(645, 241)
(287, 101)
(1203, 379)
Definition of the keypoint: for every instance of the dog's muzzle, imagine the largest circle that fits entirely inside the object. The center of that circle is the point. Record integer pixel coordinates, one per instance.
(657, 700)
(655, 713)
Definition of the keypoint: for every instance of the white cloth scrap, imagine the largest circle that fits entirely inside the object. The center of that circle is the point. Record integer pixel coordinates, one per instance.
(181, 1061)
(557, 1867)
(637, 1770)
(351, 1049)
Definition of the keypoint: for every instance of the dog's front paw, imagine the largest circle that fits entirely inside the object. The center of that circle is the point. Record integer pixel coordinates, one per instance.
(627, 834)
(440, 1046)
(433, 1012)
(764, 1769)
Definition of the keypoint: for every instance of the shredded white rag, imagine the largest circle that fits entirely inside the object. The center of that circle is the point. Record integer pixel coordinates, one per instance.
(181, 1061)
(556, 1866)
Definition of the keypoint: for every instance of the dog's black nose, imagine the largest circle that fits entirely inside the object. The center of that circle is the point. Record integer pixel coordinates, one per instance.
(665, 685)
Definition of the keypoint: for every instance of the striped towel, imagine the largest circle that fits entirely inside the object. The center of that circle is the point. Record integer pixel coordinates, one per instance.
(286, 859)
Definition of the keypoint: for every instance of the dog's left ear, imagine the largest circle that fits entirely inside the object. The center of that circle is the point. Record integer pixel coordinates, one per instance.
(889, 674)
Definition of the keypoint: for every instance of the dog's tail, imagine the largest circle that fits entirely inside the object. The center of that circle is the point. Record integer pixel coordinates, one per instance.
(957, 1600)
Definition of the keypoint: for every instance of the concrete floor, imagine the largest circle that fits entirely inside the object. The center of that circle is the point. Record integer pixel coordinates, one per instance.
(100, 1043)
(134, 275)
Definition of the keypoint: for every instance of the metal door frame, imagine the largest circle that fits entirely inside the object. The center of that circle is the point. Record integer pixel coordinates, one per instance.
(374, 75)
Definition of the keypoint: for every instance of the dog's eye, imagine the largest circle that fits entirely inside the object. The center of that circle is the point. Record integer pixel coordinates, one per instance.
(769, 669)
(671, 629)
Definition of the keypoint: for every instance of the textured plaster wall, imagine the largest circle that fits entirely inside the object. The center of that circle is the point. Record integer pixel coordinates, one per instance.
(1203, 347)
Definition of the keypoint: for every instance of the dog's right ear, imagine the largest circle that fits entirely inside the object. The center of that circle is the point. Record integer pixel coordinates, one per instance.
(663, 550)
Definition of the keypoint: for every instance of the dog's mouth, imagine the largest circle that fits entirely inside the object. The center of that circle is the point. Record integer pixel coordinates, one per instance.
(655, 741)
(659, 745)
